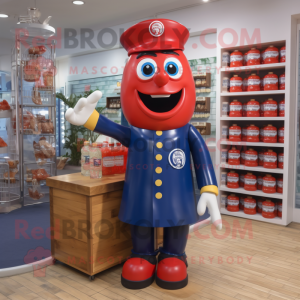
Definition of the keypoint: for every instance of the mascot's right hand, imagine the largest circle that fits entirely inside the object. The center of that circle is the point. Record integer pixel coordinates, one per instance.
(83, 109)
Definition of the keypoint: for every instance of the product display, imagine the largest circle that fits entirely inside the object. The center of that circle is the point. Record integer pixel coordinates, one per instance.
(43, 150)
(95, 159)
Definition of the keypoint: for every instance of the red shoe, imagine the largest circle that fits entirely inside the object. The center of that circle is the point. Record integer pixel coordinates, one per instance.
(138, 271)
(171, 272)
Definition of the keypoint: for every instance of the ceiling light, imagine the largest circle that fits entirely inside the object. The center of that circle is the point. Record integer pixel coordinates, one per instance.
(3, 16)
(78, 2)
(205, 0)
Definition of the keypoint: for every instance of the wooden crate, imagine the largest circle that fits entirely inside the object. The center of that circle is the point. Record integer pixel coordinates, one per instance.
(87, 233)
(203, 128)
(202, 79)
(202, 104)
(113, 102)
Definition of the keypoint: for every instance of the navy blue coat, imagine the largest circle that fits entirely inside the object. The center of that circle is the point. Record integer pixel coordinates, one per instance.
(158, 190)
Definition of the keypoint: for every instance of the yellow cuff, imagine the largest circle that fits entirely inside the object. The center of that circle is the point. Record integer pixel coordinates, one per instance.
(210, 189)
(92, 121)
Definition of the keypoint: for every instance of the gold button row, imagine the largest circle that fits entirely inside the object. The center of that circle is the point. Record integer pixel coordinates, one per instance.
(158, 170)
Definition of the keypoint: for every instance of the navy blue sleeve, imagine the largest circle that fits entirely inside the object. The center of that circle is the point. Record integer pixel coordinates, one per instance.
(114, 130)
(202, 161)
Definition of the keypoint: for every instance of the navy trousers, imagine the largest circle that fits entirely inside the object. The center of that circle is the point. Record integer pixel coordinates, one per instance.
(174, 241)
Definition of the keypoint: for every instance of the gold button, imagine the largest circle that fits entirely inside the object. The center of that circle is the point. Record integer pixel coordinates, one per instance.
(159, 133)
(158, 157)
(158, 182)
(159, 145)
(158, 170)
(158, 195)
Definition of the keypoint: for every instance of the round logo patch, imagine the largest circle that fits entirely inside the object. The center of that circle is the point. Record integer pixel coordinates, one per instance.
(177, 159)
(156, 28)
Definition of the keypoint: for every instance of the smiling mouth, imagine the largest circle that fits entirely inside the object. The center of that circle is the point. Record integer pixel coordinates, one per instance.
(160, 103)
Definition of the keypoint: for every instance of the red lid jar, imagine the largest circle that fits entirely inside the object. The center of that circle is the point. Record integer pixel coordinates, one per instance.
(242, 201)
(270, 82)
(282, 54)
(242, 180)
(268, 209)
(270, 134)
(253, 108)
(271, 55)
(235, 108)
(234, 156)
(253, 57)
(269, 184)
(233, 180)
(281, 108)
(250, 206)
(281, 135)
(259, 182)
(282, 81)
(235, 133)
(242, 157)
(252, 134)
(270, 160)
(259, 205)
(236, 59)
(244, 134)
(261, 155)
(280, 185)
(253, 83)
(233, 203)
(236, 83)
(250, 182)
(280, 160)
(270, 108)
(251, 158)
(279, 212)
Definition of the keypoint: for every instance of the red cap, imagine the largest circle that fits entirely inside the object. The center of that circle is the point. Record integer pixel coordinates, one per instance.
(154, 35)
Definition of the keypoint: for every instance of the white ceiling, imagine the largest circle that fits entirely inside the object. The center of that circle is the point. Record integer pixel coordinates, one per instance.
(93, 14)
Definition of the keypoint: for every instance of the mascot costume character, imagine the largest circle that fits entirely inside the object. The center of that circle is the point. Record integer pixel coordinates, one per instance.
(158, 100)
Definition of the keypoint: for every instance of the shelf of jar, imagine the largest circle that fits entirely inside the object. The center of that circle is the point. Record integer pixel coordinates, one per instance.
(4, 114)
(256, 217)
(254, 169)
(226, 118)
(252, 193)
(257, 93)
(254, 68)
(260, 144)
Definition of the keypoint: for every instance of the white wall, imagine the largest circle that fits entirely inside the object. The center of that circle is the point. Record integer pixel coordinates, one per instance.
(5, 54)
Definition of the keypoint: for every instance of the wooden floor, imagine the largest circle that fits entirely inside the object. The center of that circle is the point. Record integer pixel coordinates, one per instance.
(222, 265)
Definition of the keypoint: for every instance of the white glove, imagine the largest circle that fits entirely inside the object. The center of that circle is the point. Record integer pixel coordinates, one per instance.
(210, 200)
(83, 109)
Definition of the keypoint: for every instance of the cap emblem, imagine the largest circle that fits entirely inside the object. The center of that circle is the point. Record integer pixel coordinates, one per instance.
(156, 28)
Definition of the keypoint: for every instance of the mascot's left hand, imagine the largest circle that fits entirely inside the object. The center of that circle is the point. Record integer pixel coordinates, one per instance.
(210, 200)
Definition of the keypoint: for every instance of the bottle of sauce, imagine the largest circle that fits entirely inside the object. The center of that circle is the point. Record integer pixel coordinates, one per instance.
(108, 160)
(270, 159)
(253, 108)
(252, 134)
(268, 209)
(235, 109)
(236, 83)
(271, 55)
(250, 182)
(233, 203)
(234, 157)
(253, 57)
(235, 133)
(251, 158)
(269, 184)
(270, 134)
(253, 83)
(270, 82)
(236, 59)
(270, 108)
(232, 180)
(85, 159)
(95, 161)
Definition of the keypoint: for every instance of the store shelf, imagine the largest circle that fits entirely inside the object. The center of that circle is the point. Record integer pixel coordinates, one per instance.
(254, 169)
(258, 93)
(279, 145)
(3, 150)
(252, 193)
(5, 114)
(252, 119)
(257, 217)
(254, 68)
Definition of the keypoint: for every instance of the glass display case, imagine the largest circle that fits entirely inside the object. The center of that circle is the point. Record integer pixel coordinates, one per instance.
(35, 118)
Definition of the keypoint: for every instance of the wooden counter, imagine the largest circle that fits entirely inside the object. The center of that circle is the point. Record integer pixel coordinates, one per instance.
(86, 231)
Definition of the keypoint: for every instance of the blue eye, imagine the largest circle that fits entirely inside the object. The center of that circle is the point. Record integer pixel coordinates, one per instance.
(171, 68)
(148, 69)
